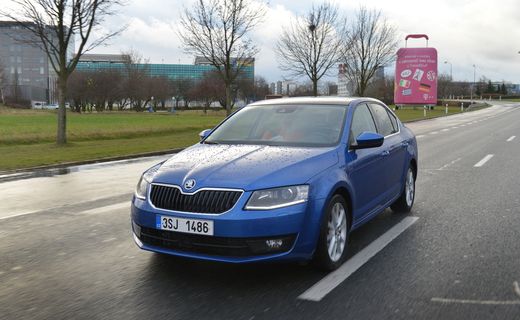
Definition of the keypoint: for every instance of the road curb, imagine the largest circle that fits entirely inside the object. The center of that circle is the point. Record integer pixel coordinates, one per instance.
(92, 161)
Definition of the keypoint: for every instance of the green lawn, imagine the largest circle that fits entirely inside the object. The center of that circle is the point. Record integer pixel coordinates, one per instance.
(27, 136)
(410, 114)
(29, 127)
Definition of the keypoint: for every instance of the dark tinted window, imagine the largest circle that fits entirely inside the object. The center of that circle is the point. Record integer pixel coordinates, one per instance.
(362, 121)
(394, 121)
(384, 125)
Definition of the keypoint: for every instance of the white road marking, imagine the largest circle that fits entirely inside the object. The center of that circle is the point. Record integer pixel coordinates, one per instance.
(511, 138)
(483, 161)
(58, 207)
(108, 208)
(444, 130)
(454, 127)
(516, 288)
(484, 302)
(449, 164)
(419, 136)
(319, 290)
(434, 132)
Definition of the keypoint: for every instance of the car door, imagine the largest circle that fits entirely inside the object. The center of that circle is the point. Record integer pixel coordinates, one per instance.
(394, 149)
(365, 168)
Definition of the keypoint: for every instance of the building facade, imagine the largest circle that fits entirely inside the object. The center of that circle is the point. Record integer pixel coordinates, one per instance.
(196, 71)
(27, 71)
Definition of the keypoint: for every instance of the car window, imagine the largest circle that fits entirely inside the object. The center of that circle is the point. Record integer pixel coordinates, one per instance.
(384, 125)
(362, 121)
(283, 125)
(394, 121)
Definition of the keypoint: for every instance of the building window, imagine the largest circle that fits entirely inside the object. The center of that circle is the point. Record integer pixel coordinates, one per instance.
(11, 59)
(19, 59)
(12, 70)
(41, 60)
(19, 69)
(41, 70)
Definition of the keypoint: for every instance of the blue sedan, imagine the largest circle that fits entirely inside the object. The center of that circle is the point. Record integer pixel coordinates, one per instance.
(283, 179)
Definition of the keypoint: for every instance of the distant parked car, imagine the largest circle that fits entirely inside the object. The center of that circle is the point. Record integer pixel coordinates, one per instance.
(282, 179)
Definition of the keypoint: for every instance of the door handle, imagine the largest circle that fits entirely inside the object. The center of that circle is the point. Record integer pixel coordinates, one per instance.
(385, 153)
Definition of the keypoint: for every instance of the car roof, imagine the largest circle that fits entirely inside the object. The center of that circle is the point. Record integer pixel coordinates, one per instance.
(344, 101)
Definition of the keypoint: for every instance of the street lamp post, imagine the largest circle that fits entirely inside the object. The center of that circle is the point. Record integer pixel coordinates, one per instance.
(451, 72)
(451, 69)
(474, 78)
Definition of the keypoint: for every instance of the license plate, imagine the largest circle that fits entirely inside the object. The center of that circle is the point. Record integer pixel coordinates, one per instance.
(184, 225)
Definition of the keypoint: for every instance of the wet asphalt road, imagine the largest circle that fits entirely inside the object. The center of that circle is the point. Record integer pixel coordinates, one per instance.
(66, 250)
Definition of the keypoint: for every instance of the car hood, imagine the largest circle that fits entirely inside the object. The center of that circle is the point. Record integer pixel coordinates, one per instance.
(247, 167)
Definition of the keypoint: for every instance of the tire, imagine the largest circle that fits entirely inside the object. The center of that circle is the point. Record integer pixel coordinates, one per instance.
(405, 201)
(334, 231)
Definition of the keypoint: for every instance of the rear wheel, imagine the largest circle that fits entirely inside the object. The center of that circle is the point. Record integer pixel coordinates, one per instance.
(332, 243)
(405, 202)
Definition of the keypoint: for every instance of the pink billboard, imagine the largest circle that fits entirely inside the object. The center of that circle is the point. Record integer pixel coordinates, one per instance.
(416, 76)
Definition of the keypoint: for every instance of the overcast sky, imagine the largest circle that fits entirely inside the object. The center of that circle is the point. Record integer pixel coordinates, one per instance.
(465, 32)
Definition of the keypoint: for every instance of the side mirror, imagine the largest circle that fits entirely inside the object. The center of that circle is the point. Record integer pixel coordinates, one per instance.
(204, 133)
(368, 140)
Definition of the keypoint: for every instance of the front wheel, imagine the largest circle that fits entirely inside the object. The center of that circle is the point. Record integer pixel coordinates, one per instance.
(405, 201)
(332, 243)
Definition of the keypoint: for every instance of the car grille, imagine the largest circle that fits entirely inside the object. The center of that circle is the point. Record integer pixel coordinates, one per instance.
(218, 246)
(204, 201)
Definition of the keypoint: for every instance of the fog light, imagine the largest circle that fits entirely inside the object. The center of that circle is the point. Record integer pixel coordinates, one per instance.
(274, 243)
(137, 229)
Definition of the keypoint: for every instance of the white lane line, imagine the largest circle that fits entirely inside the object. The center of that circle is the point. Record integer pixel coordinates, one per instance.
(484, 302)
(516, 288)
(419, 136)
(454, 127)
(444, 130)
(483, 161)
(434, 132)
(511, 138)
(108, 208)
(319, 290)
(449, 164)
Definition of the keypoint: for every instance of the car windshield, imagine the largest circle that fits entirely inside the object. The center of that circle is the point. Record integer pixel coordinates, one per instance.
(283, 125)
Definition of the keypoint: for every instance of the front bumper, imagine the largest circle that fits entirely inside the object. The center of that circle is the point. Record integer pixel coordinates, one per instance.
(239, 236)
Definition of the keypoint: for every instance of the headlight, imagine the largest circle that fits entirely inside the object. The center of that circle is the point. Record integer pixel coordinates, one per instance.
(144, 182)
(277, 197)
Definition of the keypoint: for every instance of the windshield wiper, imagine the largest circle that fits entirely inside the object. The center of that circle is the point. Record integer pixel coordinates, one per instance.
(210, 142)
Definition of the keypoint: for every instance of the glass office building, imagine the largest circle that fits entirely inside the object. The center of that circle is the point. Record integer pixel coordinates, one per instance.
(91, 62)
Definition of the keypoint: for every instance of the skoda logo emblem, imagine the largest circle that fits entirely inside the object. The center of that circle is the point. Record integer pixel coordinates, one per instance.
(189, 184)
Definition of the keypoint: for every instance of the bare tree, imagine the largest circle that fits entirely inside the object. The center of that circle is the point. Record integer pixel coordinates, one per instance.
(55, 25)
(217, 30)
(444, 85)
(370, 44)
(137, 74)
(311, 45)
(253, 90)
(208, 90)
